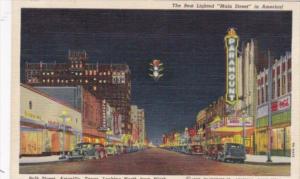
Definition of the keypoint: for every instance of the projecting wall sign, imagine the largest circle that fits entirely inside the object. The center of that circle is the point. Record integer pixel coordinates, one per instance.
(231, 45)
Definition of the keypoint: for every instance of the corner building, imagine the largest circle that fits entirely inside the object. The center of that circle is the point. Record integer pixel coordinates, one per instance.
(281, 108)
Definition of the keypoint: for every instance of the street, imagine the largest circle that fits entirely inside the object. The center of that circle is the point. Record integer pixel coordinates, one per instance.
(155, 161)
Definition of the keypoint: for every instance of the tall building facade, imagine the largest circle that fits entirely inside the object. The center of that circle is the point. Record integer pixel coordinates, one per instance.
(111, 82)
(141, 126)
(138, 125)
(280, 107)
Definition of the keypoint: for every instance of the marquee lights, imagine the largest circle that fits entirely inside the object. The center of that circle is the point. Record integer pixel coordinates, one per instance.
(231, 45)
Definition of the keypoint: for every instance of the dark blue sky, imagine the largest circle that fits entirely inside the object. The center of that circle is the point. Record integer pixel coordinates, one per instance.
(189, 43)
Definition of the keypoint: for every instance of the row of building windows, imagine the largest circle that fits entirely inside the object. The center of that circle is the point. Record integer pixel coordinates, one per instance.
(65, 81)
(281, 82)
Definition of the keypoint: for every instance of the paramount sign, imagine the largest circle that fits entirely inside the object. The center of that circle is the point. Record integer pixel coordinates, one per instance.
(231, 44)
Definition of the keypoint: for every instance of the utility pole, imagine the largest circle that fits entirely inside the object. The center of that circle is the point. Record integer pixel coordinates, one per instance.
(269, 107)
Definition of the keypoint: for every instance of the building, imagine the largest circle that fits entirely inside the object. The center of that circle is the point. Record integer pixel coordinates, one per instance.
(111, 82)
(47, 125)
(93, 118)
(281, 108)
(141, 126)
(138, 125)
(135, 123)
(223, 122)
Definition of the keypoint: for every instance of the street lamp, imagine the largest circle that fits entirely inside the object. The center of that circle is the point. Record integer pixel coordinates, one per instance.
(64, 116)
(269, 108)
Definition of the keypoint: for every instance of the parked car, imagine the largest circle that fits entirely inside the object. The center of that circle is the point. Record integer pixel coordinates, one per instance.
(197, 150)
(232, 152)
(87, 151)
(212, 151)
(111, 149)
(101, 150)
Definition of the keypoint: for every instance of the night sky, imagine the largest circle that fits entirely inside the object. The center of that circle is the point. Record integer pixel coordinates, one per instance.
(189, 43)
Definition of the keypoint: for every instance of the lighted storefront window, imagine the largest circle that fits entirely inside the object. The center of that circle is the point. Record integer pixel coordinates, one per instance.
(278, 139)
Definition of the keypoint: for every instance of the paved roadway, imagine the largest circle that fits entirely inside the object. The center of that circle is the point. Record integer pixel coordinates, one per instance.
(155, 161)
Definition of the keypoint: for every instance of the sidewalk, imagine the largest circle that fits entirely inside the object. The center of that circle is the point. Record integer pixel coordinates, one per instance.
(42, 159)
(261, 159)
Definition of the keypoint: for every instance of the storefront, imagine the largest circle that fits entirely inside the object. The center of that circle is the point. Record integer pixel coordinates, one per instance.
(281, 130)
(230, 130)
(92, 135)
(46, 125)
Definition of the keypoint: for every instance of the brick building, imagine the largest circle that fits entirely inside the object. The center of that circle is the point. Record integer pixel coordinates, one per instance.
(111, 82)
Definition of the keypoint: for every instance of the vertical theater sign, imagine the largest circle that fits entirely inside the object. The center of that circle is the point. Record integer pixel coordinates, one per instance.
(231, 45)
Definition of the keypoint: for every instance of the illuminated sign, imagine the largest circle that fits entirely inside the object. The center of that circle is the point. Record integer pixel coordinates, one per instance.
(231, 44)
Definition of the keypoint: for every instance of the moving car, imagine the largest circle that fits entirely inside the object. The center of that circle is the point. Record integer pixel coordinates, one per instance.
(232, 152)
(86, 151)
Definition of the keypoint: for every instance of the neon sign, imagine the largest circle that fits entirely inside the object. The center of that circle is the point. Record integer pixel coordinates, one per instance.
(231, 44)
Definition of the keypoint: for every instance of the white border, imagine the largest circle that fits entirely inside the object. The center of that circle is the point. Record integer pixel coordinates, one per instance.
(5, 71)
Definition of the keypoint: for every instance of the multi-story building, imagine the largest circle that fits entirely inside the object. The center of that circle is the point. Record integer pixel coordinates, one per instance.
(111, 82)
(280, 107)
(141, 126)
(135, 123)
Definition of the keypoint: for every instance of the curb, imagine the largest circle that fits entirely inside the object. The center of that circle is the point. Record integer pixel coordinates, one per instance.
(38, 163)
(264, 163)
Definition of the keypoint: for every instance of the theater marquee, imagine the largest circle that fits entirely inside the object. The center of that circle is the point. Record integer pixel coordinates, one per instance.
(231, 45)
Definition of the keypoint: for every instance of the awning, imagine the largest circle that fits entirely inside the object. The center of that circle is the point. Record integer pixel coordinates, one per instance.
(230, 129)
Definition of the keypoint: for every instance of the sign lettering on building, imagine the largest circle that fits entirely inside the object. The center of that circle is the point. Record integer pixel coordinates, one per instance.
(231, 44)
(238, 121)
(281, 104)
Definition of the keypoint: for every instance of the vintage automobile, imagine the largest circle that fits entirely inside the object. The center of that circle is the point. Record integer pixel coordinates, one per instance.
(212, 151)
(87, 150)
(232, 152)
(111, 150)
(196, 150)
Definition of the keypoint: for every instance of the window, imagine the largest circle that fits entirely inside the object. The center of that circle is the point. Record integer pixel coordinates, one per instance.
(267, 93)
(289, 81)
(30, 104)
(278, 70)
(289, 64)
(283, 67)
(278, 87)
(283, 86)
(258, 97)
(273, 89)
(262, 95)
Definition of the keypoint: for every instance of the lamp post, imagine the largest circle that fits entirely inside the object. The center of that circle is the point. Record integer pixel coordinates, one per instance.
(269, 108)
(64, 117)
